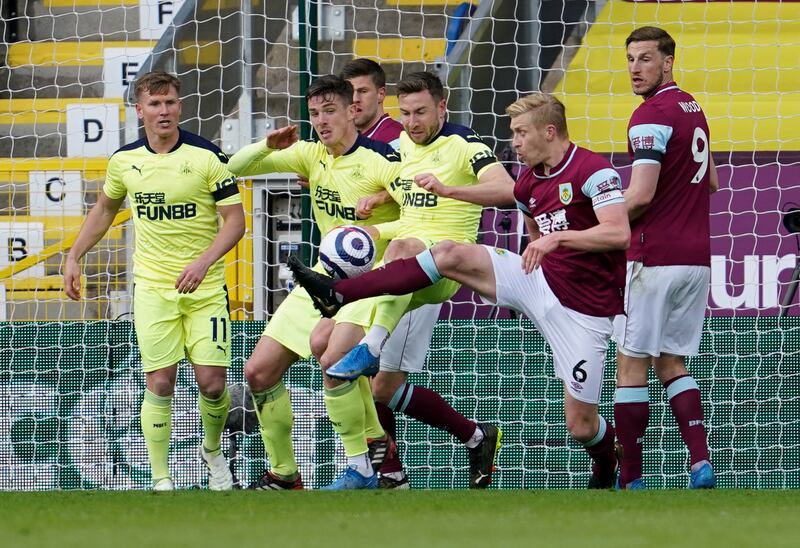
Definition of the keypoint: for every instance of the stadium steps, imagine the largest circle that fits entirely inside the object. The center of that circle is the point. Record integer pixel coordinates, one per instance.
(408, 34)
(63, 24)
(739, 60)
(43, 110)
(24, 291)
(73, 20)
(33, 119)
(38, 127)
(403, 35)
(59, 62)
(57, 69)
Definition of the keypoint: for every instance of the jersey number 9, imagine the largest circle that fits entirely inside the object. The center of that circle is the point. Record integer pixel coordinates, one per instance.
(698, 155)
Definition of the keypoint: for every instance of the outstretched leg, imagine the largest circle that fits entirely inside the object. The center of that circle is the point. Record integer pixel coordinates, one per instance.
(468, 264)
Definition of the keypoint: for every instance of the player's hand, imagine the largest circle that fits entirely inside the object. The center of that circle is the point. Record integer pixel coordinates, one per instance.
(429, 182)
(282, 138)
(192, 276)
(537, 249)
(365, 205)
(302, 181)
(72, 279)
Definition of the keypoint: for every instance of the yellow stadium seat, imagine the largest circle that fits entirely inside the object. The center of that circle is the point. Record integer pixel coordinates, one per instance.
(738, 59)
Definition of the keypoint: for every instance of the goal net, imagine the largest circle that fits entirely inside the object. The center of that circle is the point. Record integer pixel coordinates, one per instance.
(70, 373)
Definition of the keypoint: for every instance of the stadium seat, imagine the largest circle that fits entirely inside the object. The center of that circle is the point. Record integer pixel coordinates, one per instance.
(727, 52)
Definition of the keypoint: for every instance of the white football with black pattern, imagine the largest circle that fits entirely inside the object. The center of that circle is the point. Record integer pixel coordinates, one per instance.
(347, 251)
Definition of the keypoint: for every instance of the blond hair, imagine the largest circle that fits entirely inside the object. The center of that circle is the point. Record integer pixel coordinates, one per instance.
(544, 108)
(156, 83)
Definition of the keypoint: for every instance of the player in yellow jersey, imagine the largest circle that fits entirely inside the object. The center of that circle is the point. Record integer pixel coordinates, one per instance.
(447, 174)
(177, 184)
(342, 168)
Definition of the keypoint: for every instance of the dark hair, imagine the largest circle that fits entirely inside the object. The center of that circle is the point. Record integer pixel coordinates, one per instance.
(666, 45)
(156, 83)
(365, 67)
(421, 81)
(331, 85)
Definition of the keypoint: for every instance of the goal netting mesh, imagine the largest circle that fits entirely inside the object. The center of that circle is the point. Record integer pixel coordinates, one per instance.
(70, 373)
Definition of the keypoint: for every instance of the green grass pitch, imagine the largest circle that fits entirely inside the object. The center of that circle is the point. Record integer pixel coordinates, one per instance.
(411, 519)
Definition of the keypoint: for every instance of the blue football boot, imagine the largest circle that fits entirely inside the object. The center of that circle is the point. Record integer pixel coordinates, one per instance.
(636, 485)
(703, 478)
(359, 361)
(351, 479)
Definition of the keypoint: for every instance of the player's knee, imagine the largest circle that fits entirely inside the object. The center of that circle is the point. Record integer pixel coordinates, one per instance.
(448, 255)
(401, 249)
(326, 360)
(392, 251)
(582, 428)
(252, 373)
(632, 371)
(260, 376)
(319, 344)
(162, 382)
(667, 367)
(161, 387)
(213, 388)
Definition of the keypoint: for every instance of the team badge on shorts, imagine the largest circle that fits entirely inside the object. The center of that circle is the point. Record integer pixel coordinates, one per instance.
(500, 251)
(565, 193)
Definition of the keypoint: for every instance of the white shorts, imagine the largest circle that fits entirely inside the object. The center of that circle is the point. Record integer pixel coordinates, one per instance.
(579, 342)
(408, 345)
(664, 310)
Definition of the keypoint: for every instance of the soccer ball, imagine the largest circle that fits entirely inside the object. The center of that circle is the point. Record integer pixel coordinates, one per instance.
(347, 251)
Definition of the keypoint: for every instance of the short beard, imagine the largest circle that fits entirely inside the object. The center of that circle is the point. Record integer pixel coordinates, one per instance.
(368, 122)
(650, 91)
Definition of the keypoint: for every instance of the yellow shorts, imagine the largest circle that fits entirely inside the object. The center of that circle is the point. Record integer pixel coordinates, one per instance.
(172, 325)
(388, 312)
(440, 292)
(296, 317)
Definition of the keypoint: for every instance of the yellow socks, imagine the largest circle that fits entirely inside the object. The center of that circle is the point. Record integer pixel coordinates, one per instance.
(346, 411)
(372, 425)
(213, 414)
(156, 418)
(274, 411)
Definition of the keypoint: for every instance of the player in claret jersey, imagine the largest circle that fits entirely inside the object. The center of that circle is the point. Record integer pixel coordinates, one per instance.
(669, 257)
(569, 281)
(369, 91)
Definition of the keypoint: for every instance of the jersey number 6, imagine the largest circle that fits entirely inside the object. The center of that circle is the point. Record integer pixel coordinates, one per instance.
(579, 374)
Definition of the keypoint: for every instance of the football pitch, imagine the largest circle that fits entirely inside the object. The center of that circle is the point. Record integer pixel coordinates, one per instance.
(411, 519)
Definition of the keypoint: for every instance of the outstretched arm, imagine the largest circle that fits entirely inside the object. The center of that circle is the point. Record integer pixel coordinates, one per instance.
(94, 227)
(254, 159)
(495, 188)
